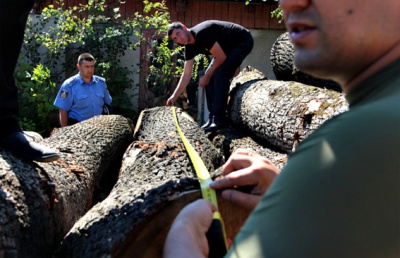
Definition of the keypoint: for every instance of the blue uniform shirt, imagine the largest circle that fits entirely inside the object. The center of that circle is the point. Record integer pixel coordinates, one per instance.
(83, 100)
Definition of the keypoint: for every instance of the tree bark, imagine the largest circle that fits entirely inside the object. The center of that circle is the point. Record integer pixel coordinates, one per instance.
(156, 180)
(40, 202)
(228, 140)
(282, 62)
(283, 113)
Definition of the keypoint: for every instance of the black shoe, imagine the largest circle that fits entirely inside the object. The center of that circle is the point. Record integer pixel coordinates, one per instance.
(213, 127)
(20, 145)
(209, 122)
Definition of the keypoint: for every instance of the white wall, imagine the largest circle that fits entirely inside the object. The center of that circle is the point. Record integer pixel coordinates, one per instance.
(259, 57)
(132, 57)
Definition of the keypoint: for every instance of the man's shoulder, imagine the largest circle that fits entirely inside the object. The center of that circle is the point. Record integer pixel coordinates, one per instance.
(99, 78)
(71, 81)
(212, 24)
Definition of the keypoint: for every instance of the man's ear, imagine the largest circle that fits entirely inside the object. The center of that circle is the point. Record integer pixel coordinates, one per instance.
(78, 66)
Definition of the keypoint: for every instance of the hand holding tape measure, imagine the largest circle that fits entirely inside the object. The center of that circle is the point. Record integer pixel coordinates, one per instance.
(216, 234)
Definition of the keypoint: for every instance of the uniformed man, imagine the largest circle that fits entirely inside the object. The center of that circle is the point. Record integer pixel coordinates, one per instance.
(83, 95)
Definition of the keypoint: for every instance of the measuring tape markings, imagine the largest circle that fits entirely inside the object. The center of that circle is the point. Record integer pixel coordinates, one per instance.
(203, 175)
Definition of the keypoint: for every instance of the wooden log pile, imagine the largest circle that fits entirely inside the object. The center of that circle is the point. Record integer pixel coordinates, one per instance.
(54, 209)
(283, 113)
(156, 180)
(40, 202)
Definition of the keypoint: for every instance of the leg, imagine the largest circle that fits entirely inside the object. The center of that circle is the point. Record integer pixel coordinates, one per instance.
(12, 26)
(210, 98)
(13, 17)
(221, 80)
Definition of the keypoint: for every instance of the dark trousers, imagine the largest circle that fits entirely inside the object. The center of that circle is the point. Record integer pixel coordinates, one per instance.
(13, 17)
(218, 89)
(72, 121)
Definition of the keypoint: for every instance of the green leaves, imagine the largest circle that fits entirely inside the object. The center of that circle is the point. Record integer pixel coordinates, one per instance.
(37, 92)
(277, 13)
(54, 39)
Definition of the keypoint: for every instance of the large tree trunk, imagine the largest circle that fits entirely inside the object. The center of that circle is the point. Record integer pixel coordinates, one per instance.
(282, 62)
(40, 202)
(283, 113)
(156, 180)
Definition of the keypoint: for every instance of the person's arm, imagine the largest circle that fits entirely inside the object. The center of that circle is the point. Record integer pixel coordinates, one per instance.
(219, 59)
(107, 96)
(63, 117)
(245, 167)
(183, 81)
(187, 236)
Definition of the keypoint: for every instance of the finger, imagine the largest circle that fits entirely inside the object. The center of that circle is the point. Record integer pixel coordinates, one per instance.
(235, 162)
(211, 205)
(246, 151)
(199, 211)
(246, 201)
(243, 177)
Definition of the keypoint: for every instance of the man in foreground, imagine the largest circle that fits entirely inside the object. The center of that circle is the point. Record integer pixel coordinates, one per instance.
(339, 194)
(13, 17)
(82, 96)
(229, 44)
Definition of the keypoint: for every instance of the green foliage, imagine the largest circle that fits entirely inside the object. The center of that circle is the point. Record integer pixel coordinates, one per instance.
(166, 65)
(55, 38)
(155, 15)
(36, 90)
(201, 62)
(277, 13)
(167, 59)
(51, 46)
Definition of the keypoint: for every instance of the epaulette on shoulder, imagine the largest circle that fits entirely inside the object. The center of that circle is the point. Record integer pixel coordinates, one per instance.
(99, 78)
(71, 81)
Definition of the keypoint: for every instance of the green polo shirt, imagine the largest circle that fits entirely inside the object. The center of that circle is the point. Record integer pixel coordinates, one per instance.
(339, 194)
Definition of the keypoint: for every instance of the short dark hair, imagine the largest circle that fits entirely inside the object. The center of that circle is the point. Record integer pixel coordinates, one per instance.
(86, 57)
(174, 25)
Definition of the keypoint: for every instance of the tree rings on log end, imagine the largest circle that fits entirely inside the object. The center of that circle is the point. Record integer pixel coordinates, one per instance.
(150, 242)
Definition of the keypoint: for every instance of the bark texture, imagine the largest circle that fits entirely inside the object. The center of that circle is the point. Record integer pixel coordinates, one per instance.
(156, 180)
(283, 113)
(282, 62)
(228, 140)
(247, 74)
(40, 202)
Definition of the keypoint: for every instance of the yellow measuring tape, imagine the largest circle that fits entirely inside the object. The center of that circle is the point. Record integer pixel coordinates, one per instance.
(205, 179)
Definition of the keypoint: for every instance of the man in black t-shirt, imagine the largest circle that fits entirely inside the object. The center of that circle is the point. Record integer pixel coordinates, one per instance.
(229, 44)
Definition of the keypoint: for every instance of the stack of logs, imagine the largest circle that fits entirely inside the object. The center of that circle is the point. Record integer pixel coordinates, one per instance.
(116, 189)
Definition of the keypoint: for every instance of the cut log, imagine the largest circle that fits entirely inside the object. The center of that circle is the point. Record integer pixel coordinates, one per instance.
(156, 180)
(282, 55)
(246, 74)
(230, 139)
(283, 113)
(40, 202)
(282, 62)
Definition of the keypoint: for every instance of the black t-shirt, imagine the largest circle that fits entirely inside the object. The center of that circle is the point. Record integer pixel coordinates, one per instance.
(227, 34)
